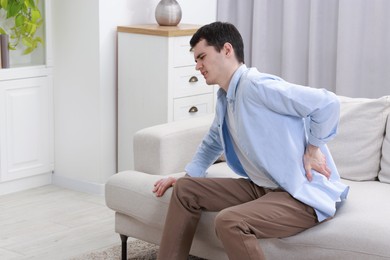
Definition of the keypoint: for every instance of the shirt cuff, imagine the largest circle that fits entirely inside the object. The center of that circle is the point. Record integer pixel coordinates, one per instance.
(194, 170)
(315, 141)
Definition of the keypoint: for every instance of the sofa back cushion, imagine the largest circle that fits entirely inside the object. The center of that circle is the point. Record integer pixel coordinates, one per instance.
(356, 149)
(384, 174)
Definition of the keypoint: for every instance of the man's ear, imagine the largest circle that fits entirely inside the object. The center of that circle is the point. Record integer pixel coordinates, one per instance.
(228, 49)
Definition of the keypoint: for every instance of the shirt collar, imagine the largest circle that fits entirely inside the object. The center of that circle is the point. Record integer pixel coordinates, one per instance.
(231, 93)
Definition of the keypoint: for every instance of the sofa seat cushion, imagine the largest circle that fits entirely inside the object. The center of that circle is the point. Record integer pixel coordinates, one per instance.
(359, 228)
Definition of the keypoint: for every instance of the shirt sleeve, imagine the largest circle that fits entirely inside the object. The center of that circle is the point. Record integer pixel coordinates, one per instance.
(207, 153)
(320, 108)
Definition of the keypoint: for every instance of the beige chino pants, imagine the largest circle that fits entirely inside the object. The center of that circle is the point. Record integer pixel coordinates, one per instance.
(246, 212)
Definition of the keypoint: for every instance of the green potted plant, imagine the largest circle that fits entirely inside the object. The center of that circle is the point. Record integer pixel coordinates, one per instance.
(23, 18)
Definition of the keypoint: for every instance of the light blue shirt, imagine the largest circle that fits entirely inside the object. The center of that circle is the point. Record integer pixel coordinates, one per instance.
(274, 121)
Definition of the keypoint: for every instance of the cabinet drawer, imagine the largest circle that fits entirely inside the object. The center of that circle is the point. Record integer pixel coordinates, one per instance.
(189, 82)
(182, 56)
(188, 107)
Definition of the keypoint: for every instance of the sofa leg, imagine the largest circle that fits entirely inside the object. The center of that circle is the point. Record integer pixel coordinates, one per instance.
(124, 246)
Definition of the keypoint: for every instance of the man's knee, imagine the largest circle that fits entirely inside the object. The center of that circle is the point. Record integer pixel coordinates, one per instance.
(180, 181)
(230, 222)
(185, 192)
(225, 220)
(183, 185)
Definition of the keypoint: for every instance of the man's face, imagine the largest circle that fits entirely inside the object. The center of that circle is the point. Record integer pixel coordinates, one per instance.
(209, 62)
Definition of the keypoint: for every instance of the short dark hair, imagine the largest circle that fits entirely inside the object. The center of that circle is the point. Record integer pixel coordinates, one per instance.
(217, 34)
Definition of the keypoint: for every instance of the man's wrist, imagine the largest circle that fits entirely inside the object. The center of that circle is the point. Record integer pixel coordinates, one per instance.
(311, 148)
(173, 181)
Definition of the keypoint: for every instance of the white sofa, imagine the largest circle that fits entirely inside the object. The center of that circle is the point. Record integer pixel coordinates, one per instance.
(360, 229)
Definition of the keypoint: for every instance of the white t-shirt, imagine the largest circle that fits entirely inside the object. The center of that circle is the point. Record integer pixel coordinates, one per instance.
(258, 177)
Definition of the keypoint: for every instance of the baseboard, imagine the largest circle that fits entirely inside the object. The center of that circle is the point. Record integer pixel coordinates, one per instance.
(78, 185)
(25, 183)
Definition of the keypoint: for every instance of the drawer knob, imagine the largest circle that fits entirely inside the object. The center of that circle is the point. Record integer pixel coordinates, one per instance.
(193, 79)
(193, 109)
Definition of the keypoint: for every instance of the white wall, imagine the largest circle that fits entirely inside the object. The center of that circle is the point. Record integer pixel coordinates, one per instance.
(76, 90)
(84, 54)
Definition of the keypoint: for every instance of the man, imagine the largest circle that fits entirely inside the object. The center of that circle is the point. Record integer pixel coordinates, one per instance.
(274, 134)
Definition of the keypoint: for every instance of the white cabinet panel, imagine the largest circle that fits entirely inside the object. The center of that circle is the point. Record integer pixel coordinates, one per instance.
(25, 130)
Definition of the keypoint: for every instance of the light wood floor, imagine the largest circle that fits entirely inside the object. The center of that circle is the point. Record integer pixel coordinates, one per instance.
(54, 223)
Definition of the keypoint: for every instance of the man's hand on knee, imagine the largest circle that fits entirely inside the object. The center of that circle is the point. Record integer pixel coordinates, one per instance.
(162, 185)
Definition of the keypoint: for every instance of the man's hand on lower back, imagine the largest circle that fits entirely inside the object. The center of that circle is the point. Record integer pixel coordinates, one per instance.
(314, 159)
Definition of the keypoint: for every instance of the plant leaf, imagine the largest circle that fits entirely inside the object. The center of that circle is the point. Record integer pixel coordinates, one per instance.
(4, 4)
(27, 42)
(31, 3)
(13, 9)
(19, 20)
(28, 51)
(35, 15)
(2, 31)
(30, 28)
(39, 39)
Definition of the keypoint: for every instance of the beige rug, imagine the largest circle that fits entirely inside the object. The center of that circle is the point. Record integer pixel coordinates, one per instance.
(136, 250)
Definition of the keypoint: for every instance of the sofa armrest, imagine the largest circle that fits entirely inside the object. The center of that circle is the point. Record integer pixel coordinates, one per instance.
(131, 193)
(167, 148)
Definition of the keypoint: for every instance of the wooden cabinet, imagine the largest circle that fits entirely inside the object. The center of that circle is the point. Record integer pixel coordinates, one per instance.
(157, 82)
